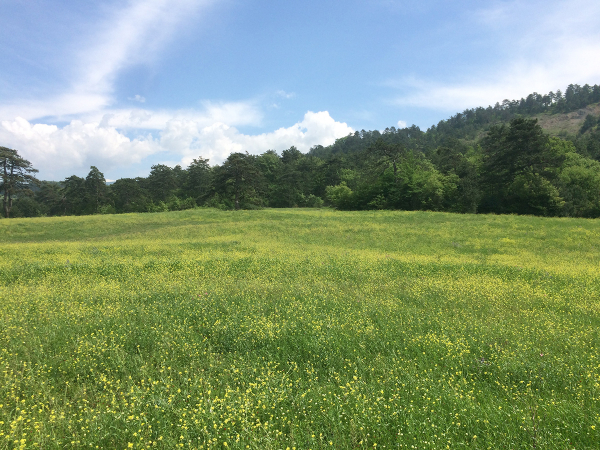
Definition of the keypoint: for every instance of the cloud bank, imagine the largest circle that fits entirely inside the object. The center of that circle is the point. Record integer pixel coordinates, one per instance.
(59, 152)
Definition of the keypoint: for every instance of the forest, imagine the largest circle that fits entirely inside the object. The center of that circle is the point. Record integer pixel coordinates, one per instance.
(497, 159)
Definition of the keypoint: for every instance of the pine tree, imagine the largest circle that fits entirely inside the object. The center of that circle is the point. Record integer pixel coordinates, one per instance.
(16, 177)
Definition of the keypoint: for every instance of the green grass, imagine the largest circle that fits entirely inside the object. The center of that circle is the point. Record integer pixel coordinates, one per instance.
(299, 328)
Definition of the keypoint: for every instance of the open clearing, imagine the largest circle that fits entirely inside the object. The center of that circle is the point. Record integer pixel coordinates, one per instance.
(299, 328)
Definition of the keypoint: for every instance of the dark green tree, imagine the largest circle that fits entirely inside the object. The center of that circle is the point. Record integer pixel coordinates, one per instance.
(74, 197)
(95, 190)
(519, 153)
(580, 186)
(270, 166)
(162, 183)
(17, 177)
(198, 181)
(240, 181)
(384, 155)
(457, 159)
(589, 122)
(49, 197)
(129, 195)
(290, 182)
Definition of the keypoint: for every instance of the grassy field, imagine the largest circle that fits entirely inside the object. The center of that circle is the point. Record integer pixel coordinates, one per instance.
(305, 329)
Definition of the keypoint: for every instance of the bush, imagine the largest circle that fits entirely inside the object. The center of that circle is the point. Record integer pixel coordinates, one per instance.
(157, 207)
(339, 196)
(25, 207)
(108, 209)
(314, 202)
(176, 204)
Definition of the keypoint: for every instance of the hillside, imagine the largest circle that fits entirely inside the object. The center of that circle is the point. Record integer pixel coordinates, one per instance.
(565, 124)
(558, 114)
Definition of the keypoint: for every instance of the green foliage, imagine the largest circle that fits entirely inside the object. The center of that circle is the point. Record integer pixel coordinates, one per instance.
(314, 202)
(339, 196)
(16, 177)
(74, 198)
(176, 204)
(469, 123)
(198, 180)
(95, 190)
(580, 186)
(519, 166)
(107, 209)
(49, 198)
(589, 122)
(239, 181)
(531, 193)
(162, 182)
(130, 195)
(26, 207)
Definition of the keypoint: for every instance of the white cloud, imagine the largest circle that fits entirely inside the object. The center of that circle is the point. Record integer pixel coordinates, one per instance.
(402, 124)
(242, 113)
(218, 140)
(98, 134)
(559, 47)
(60, 152)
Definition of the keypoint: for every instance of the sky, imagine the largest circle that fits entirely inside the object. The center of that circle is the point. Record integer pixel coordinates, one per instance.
(124, 85)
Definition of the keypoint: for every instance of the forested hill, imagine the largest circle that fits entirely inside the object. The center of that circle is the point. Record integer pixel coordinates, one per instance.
(539, 155)
(559, 114)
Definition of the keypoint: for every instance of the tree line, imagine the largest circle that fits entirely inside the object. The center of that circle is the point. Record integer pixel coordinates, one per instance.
(512, 167)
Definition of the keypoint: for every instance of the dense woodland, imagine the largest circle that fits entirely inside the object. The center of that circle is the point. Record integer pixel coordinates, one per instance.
(483, 160)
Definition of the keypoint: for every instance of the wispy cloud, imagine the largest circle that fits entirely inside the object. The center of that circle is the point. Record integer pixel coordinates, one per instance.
(242, 113)
(132, 34)
(287, 95)
(539, 46)
(138, 98)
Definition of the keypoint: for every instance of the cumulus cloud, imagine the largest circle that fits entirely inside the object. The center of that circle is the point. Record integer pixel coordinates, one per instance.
(59, 152)
(218, 140)
(531, 55)
(402, 124)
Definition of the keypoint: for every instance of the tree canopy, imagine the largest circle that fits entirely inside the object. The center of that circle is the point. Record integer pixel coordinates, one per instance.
(17, 177)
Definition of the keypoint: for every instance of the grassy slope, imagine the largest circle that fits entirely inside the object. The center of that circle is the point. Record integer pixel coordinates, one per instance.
(300, 328)
(570, 123)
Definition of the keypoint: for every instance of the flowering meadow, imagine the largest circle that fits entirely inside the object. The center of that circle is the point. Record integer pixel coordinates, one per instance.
(299, 329)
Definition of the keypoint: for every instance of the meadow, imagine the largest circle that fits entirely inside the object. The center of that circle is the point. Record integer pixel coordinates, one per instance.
(299, 329)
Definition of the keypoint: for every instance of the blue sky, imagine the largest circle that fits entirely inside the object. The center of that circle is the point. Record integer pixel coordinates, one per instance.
(124, 85)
